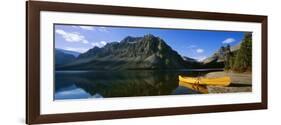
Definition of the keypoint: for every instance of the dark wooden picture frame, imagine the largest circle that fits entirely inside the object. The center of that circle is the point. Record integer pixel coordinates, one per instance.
(33, 9)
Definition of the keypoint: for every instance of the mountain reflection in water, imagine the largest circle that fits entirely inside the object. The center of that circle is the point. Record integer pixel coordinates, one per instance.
(106, 84)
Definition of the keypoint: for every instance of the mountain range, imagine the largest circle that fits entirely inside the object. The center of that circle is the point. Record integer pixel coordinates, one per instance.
(218, 58)
(62, 57)
(74, 53)
(147, 52)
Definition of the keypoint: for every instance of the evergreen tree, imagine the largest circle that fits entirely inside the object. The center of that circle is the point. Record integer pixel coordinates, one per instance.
(243, 59)
(232, 60)
(227, 55)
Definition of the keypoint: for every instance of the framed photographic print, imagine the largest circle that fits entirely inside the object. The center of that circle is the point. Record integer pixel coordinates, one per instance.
(93, 62)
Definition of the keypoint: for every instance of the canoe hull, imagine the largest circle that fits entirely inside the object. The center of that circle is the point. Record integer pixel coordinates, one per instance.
(222, 81)
(196, 87)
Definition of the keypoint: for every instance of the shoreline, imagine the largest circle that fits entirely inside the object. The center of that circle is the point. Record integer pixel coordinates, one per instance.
(240, 82)
(236, 78)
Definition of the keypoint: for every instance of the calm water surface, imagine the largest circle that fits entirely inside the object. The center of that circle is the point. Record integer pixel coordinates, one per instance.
(107, 84)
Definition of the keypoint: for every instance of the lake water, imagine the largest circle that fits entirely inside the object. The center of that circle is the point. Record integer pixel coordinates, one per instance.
(107, 84)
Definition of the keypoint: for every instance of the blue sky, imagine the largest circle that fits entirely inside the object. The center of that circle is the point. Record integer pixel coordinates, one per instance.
(197, 44)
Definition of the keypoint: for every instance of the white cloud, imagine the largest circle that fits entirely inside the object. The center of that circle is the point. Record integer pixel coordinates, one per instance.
(81, 50)
(85, 41)
(87, 27)
(228, 40)
(75, 26)
(199, 50)
(103, 29)
(103, 42)
(72, 36)
(99, 44)
(100, 29)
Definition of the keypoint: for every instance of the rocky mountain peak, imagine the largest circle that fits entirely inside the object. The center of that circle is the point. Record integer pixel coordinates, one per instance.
(146, 52)
(130, 39)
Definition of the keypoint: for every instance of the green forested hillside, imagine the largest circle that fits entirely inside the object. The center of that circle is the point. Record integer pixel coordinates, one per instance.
(241, 59)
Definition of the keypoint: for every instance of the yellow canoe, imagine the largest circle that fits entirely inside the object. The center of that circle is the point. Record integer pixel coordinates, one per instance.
(196, 87)
(221, 81)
